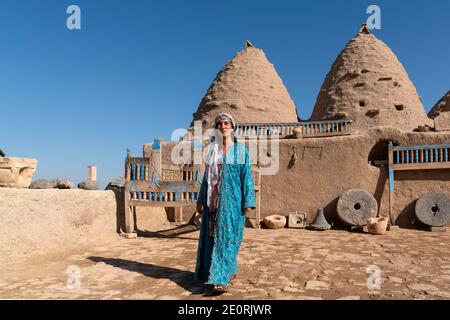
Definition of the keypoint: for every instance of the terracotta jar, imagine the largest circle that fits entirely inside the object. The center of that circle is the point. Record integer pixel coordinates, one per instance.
(377, 225)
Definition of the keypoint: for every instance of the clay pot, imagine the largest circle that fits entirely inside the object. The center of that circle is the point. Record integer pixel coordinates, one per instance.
(275, 221)
(377, 225)
(16, 172)
(298, 133)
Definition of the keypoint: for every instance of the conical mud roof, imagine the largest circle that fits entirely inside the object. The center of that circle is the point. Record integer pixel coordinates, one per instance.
(443, 105)
(369, 85)
(249, 88)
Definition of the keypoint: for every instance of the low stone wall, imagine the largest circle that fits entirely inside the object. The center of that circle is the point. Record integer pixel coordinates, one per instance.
(38, 223)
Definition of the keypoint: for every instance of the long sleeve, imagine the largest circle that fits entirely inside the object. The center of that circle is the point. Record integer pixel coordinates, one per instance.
(248, 187)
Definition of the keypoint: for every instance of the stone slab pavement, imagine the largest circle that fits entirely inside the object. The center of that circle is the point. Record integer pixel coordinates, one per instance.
(273, 264)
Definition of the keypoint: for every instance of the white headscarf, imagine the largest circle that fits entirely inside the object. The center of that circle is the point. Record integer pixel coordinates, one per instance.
(224, 116)
(215, 157)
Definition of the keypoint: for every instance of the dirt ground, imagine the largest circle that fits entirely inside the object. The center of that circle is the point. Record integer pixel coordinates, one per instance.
(273, 264)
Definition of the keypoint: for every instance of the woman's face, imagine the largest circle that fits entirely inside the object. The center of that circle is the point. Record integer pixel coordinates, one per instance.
(225, 127)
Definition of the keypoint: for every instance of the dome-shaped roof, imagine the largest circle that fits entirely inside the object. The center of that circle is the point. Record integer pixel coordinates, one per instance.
(369, 85)
(250, 89)
(443, 105)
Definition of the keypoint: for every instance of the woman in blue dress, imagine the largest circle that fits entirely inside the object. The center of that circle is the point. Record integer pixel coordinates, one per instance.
(226, 196)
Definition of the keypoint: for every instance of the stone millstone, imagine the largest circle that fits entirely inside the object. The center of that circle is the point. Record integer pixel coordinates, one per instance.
(275, 221)
(356, 206)
(433, 209)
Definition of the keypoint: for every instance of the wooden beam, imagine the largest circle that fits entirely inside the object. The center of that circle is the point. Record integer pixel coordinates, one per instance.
(422, 166)
(391, 181)
(129, 216)
(146, 203)
(169, 186)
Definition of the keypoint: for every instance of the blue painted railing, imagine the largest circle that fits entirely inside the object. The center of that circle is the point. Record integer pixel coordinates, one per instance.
(421, 154)
(164, 196)
(309, 129)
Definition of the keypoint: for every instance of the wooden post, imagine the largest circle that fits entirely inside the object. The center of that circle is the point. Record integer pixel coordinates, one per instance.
(138, 171)
(156, 157)
(258, 209)
(391, 181)
(178, 214)
(129, 210)
(257, 184)
(147, 170)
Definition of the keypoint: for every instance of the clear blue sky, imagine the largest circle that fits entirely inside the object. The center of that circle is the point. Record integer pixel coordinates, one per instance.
(138, 69)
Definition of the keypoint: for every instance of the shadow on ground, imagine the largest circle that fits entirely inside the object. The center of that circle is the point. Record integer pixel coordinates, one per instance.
(182, 278)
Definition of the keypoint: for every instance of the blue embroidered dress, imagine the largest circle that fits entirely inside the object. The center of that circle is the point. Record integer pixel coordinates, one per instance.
(217, 253)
